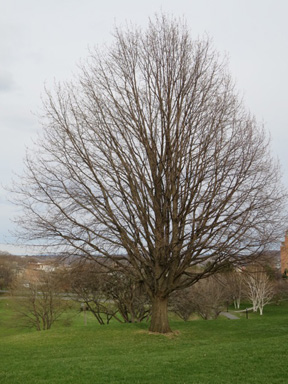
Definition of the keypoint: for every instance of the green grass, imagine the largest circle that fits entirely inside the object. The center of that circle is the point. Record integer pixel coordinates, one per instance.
(220, 351)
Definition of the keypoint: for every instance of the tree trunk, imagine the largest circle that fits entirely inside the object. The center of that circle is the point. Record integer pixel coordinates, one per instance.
(261, 310)
(159, 317)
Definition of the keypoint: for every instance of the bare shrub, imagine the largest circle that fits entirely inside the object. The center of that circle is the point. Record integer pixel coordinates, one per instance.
(110, 295)
(207, 298)
(39, 302)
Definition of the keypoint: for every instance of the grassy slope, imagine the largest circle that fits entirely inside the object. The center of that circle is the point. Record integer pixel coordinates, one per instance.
(221, 351)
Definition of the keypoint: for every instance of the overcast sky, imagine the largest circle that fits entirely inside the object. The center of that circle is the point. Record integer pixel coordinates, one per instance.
(43, 40)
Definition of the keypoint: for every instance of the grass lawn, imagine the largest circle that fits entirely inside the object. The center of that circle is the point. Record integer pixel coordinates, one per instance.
(219, 351)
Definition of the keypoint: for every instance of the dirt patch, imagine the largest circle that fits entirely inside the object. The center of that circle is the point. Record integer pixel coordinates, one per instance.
(169, 335)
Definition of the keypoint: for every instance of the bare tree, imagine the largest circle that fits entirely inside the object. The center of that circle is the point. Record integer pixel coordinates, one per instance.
(182, 304)
(235, 283)
(86, 286)
(109, 295)
(128, 296)
(209, 297)
(6, 275)
(149, 159)
(259, 289)
(10, 267)
(206, 298)
(39, 302)
(281, 290)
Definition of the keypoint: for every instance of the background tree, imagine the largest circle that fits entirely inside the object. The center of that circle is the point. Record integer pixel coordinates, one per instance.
(10, 267)
(109, 294)
(234, 280)
(259, 288)
(128, 295)
(209, 297)
(281, 290)
(150, 159)
(39, 302)
(86, 284)
(6, 275)
(181, 302)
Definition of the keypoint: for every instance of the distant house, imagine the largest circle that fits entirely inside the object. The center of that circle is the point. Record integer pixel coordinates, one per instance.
(33, 270)
(46, 267)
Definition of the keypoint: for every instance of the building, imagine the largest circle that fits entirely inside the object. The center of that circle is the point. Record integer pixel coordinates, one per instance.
(284, 254)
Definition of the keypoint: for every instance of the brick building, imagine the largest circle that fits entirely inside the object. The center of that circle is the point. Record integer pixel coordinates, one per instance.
(284, 254)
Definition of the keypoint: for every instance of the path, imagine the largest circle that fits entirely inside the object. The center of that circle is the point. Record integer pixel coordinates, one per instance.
(229, 316)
